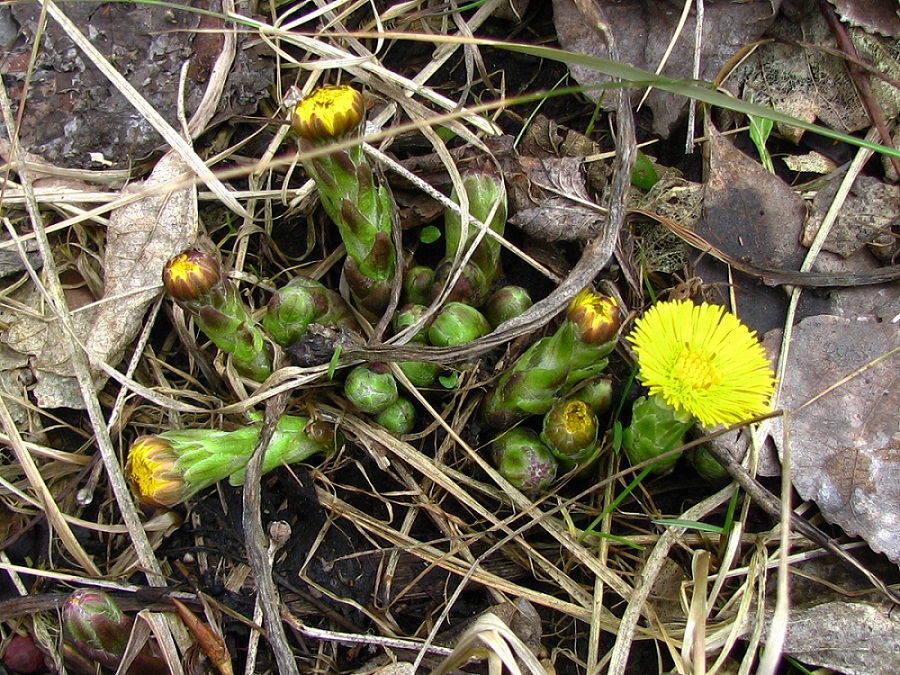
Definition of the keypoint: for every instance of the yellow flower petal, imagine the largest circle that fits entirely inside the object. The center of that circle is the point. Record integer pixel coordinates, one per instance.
(704, 361)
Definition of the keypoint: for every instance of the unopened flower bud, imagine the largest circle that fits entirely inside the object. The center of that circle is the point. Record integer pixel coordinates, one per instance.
(168, 468)
(399, 417)
(189, 276)
(655, 430)
(420, 373)
(597, 393)
(522, 458)
(417, 285)
(470, 288)
(371, 388)
(301, 302)
(597, 316)
(507, 303)
(328, 113)
(95, 626)
(707, 465)
(570, 430)
(22, 656)
(457, 324)
(408, 316)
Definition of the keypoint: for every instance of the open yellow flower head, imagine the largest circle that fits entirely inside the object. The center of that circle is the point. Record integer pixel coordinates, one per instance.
(328, 113)
(190, 275)
(596, 315)
(152, 472)
(702, 360)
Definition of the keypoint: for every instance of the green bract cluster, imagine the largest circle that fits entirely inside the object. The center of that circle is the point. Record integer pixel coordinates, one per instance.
(542, 411)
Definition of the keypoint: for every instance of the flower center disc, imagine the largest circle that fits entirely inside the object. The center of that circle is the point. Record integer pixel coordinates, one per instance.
(694, 370)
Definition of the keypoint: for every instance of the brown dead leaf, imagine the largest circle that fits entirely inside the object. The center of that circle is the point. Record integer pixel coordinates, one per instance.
(141, 237)
(755, 217)
(845, 445)
(557, 206)
(876, 16)
(643, 28)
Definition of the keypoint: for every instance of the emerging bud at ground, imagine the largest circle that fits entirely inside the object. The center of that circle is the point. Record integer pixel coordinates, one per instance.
(486, 195)
(302, 302)
(570, 431)
(597, 316)
(195, 281)
(349, 194)
(328, 113)
(507, 303)
(471, 288)
(408, 316)
(655, 429)
(417, 285)
(522, 458)
(22, 656)
(399, 417)
(707, 465)
(597, 394)
(553, 365)
(371, 388)
(171, 467)
(94, 625)
(457, 324)
(420, 373)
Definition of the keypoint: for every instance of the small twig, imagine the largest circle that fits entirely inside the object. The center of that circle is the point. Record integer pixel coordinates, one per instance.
(257, 543)
(860, 78)
(361, 639)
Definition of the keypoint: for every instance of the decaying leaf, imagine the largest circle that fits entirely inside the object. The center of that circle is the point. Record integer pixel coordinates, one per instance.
(876, 16)
(856, 638)
(845, 445)
(810, 84)
(643, 28)
(558, 206)
(141, 237)
(871, 207)
(753, 216)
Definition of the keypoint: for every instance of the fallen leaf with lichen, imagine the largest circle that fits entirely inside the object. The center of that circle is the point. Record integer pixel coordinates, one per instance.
(840, 391)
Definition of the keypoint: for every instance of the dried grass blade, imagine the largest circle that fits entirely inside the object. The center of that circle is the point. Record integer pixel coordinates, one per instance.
(48, 503)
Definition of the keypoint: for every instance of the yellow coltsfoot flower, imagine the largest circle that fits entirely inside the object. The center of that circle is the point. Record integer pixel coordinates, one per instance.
(699, 363)
(704, 361)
